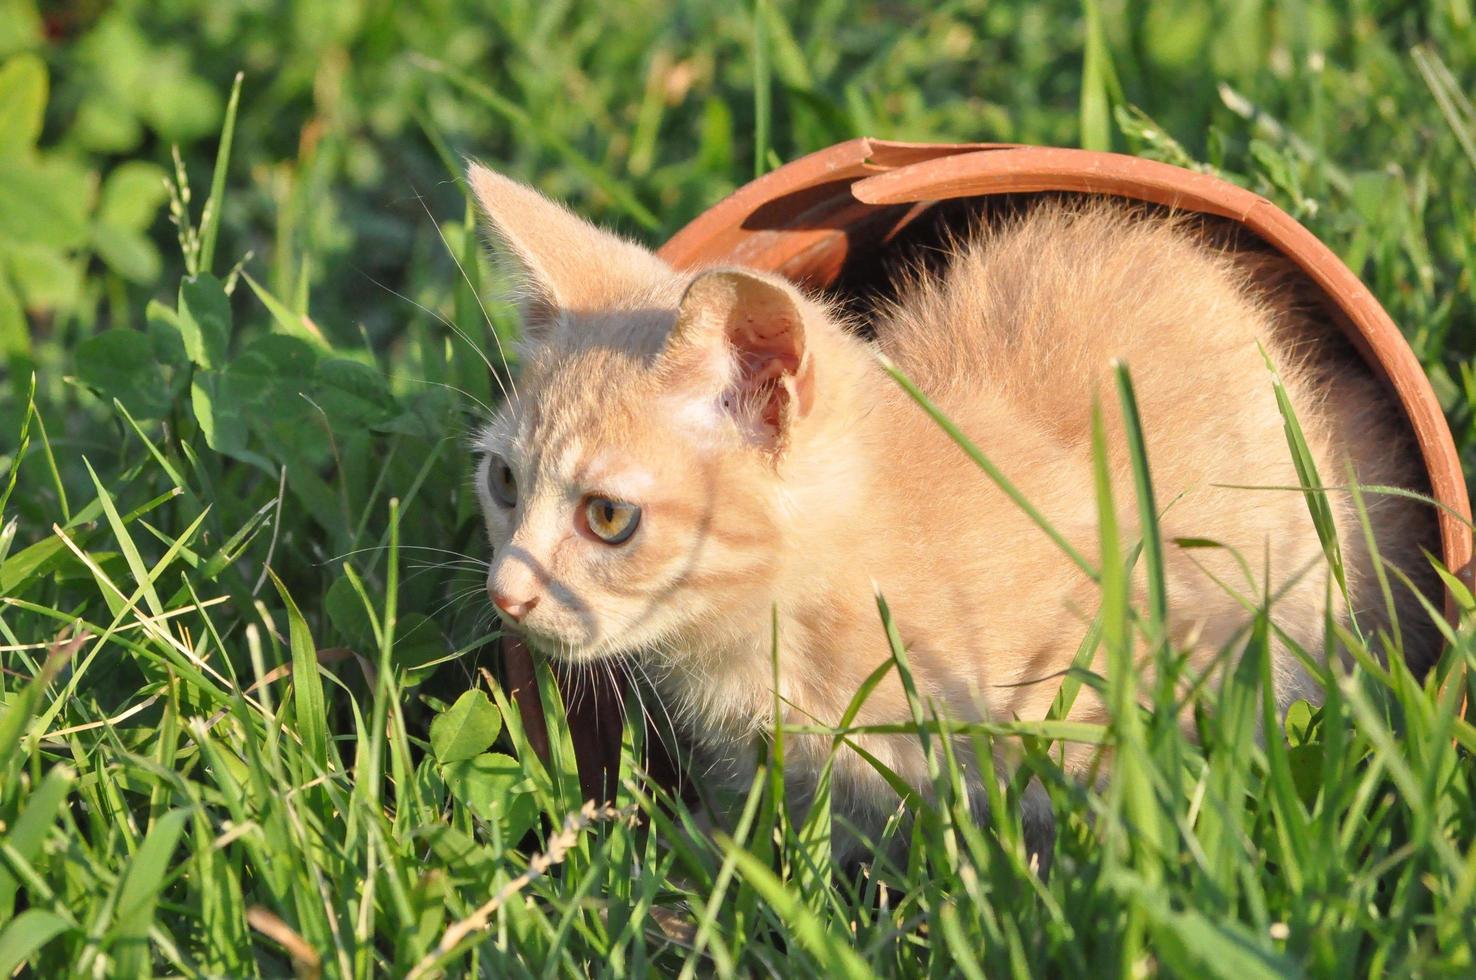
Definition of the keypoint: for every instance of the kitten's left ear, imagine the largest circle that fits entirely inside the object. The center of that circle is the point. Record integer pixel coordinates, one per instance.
(744, 334)
(566, 263)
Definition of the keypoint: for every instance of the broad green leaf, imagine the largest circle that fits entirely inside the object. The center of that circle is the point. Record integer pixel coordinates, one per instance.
(221, 422)
(353, 393)
(127, 252)
(465, 729)
(121, 364)
(164, 332)
(132, 195)
(205, 319)
(20, 26)
(48, 279)
(23, 87)
(274, 367)
(179, 105)
(270, 383)
(347, 613)
(492, 786)
(1298, 723)
(15, 334)
(1306, 764)
(430, 785)
(105, 124)
(45, 201)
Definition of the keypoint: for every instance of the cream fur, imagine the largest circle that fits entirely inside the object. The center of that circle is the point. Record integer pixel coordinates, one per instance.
(863, 492)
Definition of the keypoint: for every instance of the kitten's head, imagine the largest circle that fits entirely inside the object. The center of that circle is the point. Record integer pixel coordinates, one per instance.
(632, 484)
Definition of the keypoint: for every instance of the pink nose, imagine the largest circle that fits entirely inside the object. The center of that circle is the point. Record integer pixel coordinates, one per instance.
(514, 609)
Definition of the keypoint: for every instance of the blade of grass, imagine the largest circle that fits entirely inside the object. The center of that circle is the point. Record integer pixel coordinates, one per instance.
(215, 203)
(1306, 467)
(23, 443)
(762, 87)
(27, 933)
(125, 543)
(831, 949)
(307, 686)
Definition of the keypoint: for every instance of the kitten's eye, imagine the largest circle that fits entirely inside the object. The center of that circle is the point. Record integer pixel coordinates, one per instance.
(501, 482)
(611, 521)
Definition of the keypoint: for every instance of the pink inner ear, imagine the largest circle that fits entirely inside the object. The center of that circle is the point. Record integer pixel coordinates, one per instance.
(766, 382)
(756, 331)
(769, 339)
(773, 370)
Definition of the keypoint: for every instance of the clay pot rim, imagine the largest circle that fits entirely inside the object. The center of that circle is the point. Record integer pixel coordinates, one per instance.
(875, 173)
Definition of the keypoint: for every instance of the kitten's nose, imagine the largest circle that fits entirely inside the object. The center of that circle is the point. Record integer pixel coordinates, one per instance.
(514, 609)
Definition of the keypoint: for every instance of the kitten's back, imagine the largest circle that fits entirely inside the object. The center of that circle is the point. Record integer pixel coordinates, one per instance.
(1035, 308)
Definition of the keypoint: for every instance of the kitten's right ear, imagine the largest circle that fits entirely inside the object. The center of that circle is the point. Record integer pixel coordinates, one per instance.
(565, 262)
(742, 334)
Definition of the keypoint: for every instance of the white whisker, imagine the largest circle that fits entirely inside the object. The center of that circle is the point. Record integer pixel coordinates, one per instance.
(491, 327)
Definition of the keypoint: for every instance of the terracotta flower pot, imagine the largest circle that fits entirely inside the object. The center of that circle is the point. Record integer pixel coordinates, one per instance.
(828, 220)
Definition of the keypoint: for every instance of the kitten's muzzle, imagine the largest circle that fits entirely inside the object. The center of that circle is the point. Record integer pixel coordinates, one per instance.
(514, 585)
(513, 609)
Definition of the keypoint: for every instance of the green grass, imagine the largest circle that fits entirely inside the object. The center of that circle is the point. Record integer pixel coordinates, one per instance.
(245, 727)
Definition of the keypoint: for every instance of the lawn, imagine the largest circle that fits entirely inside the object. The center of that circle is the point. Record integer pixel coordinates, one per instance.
(250, 722)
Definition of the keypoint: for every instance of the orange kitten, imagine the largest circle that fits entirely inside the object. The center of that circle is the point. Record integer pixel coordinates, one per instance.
(691, 454)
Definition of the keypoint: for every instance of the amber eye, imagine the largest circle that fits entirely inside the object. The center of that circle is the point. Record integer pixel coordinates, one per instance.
(611, 521)
(501, 483)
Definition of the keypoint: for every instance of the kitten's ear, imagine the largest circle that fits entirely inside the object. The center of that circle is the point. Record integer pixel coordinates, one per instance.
(744, 334)
(566, 263)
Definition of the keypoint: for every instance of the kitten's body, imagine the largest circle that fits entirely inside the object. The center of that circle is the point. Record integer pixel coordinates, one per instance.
(782, 473)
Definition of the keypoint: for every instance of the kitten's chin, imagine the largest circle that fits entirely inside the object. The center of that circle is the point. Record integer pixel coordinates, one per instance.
(563, 651)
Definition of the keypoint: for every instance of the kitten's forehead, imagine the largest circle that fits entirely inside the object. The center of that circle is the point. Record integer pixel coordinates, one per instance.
(587, 395)
(589, 418)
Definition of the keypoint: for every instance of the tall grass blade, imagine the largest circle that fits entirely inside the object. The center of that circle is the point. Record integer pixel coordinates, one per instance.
(1312, 487)
(762, 87)
(215, 203)
(307, 686)
(27, 933)
(833, 951)
(138, 893)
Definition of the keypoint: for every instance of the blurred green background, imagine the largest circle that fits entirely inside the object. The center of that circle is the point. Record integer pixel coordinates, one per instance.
(641, 114)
